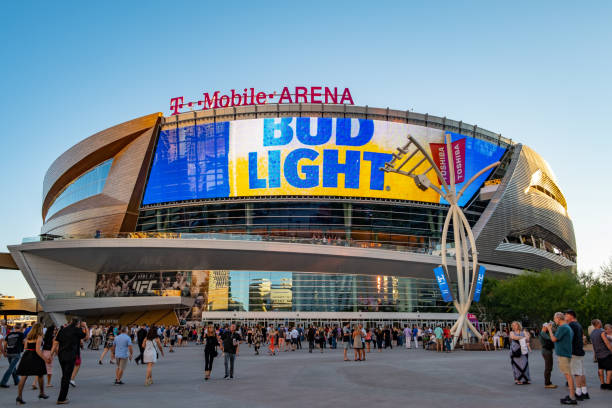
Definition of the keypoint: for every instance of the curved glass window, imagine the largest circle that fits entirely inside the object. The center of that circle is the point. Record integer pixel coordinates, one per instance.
(266, 291)
(87, 185)
(416, 227)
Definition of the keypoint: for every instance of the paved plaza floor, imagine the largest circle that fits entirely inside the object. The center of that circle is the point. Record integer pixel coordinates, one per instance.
(393, 378)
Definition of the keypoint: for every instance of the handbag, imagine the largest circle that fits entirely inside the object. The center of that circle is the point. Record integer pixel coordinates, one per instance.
(215, 353)
(524, 348)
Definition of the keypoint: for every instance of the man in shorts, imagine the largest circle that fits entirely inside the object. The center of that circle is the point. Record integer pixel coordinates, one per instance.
(563, 348)
(346, 339)
(439, 333)
(121, 346)
(602, 349)
(577, 361)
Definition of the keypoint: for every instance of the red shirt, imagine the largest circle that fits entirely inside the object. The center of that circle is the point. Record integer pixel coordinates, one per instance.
(447, 333)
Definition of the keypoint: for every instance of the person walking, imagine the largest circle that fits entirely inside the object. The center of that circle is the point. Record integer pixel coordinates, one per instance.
(446, 332)
(66, 346)
(407, 336)
(122, 345)
(141, 335)
(346, 338)
(310, 336)
(271, 340)
(368, 339)
(602, 349)
(321, 340)
(379, 339)
(210, 350)
(295, 334)
(280, 338)
(439, 333)
(519, 354)
(357, 343)
(47, 346)
(547, 354)
(577, 361)
(257, 339)
(33, 363)
(108, 344)
(563, 349)
(97, 333)
(230, 345)
(151, 346)
(299, 337)
(13, 347)
(388, 337)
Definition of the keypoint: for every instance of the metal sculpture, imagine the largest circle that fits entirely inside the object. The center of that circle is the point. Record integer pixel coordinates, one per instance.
(414, 156)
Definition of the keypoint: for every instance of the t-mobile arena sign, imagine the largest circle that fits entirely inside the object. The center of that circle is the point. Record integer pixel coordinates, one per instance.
(251, 96)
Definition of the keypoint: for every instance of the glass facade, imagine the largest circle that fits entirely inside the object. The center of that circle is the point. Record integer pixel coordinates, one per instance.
(86, 185)
(416, 227)
(265, 291)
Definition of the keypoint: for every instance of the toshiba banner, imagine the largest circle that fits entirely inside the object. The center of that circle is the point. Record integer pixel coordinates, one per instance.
(440, 155)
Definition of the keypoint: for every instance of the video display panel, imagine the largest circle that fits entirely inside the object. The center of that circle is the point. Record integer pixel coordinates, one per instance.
(298, 156)
(143, 284)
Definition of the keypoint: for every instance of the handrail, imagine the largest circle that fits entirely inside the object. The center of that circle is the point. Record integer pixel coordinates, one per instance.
(331, 238)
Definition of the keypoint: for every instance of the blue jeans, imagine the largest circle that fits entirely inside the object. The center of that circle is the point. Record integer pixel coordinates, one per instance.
(229, 358)
(447, 344)
(13, 359)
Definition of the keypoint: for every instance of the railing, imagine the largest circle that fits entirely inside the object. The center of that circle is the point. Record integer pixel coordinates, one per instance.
(315, 238)
(70, 295)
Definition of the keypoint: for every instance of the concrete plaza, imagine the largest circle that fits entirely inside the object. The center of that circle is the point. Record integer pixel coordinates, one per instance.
(393, 378)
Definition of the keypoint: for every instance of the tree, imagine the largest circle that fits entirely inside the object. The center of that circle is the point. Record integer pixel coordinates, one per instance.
(531, 298)
(597, 301)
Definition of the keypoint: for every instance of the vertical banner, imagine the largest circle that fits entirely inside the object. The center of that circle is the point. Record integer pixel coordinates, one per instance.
(458, 149)
(478, 290)
(443, 284)
(440, 156)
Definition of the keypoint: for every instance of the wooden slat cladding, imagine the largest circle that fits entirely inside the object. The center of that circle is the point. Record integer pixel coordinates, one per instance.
(143, 165)
(81, 226)
(90, 152)
(109, 212)
(7, 261)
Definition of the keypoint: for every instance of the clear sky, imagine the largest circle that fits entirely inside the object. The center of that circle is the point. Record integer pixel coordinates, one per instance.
(538, 72)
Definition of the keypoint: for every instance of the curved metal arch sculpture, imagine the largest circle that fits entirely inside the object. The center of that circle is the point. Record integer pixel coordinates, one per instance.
(465, 245)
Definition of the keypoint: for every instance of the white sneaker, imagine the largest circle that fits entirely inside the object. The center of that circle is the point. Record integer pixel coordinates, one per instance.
(73, 383)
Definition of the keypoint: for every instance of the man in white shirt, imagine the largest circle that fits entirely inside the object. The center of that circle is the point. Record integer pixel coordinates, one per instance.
(294, 337)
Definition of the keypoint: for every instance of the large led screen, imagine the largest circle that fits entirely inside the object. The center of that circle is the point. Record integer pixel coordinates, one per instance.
(297, 156)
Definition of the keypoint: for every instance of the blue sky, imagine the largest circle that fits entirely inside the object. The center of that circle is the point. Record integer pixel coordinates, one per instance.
(538, 72)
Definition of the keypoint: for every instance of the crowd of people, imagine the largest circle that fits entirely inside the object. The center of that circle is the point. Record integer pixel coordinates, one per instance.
(30, 351)
(565, 338)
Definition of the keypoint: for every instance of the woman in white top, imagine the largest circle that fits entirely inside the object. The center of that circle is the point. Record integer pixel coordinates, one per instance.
(496, 343)
(152, 346)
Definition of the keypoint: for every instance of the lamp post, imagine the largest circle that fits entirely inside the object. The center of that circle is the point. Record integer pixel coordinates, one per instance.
(414, 157)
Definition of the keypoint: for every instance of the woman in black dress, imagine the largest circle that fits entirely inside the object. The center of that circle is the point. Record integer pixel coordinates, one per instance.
(33, 362)
(210, 350)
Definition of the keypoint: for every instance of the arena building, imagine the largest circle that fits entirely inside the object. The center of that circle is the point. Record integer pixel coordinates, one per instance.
(278, 213)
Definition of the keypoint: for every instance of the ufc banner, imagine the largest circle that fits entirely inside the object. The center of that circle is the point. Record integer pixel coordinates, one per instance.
(144, 284)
